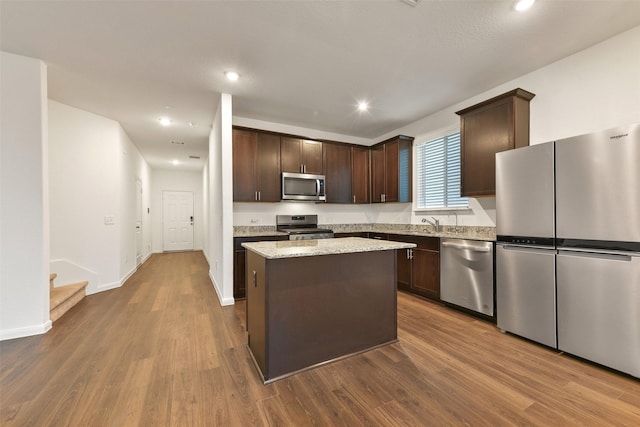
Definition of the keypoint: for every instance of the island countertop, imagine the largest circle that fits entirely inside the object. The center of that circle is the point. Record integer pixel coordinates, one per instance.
(303, 248)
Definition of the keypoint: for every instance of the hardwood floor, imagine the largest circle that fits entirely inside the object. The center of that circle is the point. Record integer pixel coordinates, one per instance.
(160, 351)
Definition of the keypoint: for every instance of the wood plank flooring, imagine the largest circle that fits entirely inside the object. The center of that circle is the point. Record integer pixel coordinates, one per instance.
(160, 351)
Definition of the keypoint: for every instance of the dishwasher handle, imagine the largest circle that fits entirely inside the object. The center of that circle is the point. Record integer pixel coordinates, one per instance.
(463, 246)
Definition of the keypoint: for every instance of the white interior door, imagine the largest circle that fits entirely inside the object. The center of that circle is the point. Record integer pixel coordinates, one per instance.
(177, 220)
(138, 222)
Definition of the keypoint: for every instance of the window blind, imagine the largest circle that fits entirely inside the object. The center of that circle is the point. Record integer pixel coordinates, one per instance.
(438, 173)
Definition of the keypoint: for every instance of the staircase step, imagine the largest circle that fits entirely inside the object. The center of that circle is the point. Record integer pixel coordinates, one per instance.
(51, 277)
(63, 298)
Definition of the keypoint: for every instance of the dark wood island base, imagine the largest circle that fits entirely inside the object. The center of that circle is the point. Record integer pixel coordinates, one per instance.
(310, 310)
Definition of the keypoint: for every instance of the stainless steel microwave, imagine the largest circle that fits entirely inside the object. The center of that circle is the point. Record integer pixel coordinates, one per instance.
(303, 186)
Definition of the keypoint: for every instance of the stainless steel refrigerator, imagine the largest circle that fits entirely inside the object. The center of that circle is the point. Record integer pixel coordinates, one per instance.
(592, 261)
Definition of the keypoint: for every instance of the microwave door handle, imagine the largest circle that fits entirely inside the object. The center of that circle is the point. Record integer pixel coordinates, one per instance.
(317, 187)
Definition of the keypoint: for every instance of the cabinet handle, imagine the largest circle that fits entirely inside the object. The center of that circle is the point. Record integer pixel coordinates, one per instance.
(354, 198)
(408, 255)
(256, 196)
(255, 279)
(259, 196)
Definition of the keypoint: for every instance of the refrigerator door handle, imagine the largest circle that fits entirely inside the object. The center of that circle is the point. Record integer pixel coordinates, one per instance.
(617, 256)
(526, 248)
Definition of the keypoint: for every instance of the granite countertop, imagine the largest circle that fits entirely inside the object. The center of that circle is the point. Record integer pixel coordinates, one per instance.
(301, 248)
(258, 232)
(446, 231)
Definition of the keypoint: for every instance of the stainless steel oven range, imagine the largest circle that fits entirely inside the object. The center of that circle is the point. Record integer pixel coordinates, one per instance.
(302, 227)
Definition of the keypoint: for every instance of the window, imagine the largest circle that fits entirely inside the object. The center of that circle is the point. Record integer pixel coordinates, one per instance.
(438, 174)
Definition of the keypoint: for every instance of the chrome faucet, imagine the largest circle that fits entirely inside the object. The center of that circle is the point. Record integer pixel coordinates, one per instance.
(435, 223)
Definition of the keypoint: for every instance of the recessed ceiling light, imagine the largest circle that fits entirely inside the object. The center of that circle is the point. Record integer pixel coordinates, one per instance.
(175, 162)
(363, 106)
(523, 5)
(164, 121)
(232, 75)
(192, 124)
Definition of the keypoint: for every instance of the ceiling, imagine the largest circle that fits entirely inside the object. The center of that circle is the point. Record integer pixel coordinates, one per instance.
(302, 63)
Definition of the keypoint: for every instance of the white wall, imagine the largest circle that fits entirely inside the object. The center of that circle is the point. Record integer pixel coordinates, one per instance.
(220, 216)
(305, 132)
(24, 209)
(132, 167)
(206, 212)
(592, 90)
(167, 180)
(93, 172)
(83, 181)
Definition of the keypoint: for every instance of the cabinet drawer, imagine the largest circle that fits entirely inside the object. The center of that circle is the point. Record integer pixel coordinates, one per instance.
(426, 243)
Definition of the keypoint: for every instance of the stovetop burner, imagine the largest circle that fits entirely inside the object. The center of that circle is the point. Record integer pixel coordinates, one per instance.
(302, 227)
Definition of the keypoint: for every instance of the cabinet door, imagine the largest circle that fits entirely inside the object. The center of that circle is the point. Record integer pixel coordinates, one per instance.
(403, 269)
(486, 132)
(244, 160)
(239, 274)
(497, 124)
(425, 271)
(312, 157)
(337, 171)
(290, 155)
(377, 174)
(301, 156)
(391, 171)
(360, 175)
(268, 168)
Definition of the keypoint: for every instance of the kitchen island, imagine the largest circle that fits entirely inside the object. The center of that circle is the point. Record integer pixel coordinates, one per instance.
(310, 302)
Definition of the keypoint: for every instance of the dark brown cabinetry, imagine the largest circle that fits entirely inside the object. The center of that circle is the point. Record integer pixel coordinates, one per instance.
(240, 259)
(256, 166)
(346, 169)
(391, 170)
(301, 155)
(487, 128)
(337, 171)
(360, 175)
(419, 268)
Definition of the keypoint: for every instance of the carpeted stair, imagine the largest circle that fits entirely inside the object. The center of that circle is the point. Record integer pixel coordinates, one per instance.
(63, 298)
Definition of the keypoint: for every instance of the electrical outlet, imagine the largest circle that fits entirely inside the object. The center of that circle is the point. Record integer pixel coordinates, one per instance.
(254, 220)
(109, 220)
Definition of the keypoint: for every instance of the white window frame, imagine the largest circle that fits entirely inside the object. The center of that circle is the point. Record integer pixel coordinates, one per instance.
(417, 185)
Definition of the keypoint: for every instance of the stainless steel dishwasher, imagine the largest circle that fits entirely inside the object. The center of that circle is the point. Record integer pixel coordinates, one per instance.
(467, 274)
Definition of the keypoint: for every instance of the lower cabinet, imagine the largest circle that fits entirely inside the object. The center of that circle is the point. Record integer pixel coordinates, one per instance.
(419, 268)
(240, 261)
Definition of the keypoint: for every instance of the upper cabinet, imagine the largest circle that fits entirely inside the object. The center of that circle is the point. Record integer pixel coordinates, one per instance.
(301, 155)
(487, 128)
(337, 171)
(360, 191)
(391, 170)
(256, 166)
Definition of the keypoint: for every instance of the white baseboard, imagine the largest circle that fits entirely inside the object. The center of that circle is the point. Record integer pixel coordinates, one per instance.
(26, 331)
(104, 287)
(223, 301)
